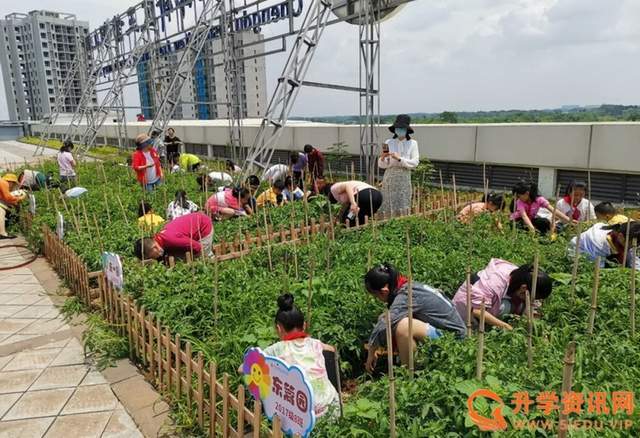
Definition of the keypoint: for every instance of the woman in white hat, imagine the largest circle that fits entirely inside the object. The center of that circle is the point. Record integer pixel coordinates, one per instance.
(399, 157)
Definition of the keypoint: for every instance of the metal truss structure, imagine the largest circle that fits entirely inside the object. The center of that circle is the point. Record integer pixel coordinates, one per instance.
(369, 74)
(116, 52)
(114, 95)
(289, 84)
(185, 66)
(84, 111)
(62, 94)
(232, 79)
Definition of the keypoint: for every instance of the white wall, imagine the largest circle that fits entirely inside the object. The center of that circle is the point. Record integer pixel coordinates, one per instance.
(615, 147)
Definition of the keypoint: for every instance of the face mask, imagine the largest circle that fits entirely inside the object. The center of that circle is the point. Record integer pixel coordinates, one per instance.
(401, 132)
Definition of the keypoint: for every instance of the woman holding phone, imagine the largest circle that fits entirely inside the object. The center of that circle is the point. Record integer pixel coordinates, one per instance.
(399, 157)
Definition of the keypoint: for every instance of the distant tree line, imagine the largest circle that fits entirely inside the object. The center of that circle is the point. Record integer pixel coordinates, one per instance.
(602, 113)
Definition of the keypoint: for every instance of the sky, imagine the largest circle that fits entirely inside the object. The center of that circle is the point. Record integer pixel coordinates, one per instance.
(457, 55)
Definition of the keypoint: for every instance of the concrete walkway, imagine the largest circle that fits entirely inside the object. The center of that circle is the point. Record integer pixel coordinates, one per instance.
(14, 153)
(47, 388)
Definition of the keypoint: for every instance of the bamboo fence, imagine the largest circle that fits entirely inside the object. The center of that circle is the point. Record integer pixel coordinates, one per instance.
(169, 363)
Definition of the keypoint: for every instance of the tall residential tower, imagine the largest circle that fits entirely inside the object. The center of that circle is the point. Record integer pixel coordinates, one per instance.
(36, 54)
(204, 95)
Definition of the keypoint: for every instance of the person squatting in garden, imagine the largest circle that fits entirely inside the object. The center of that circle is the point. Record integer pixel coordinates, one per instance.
(146, 163)
(229, 203)
(180, 206)
(489, 204)
(358, 199)
(147, 219)
(291, 191)
(8, 201)
(67, 165)
(189, 162)
(252, 183)
(32, 180)
(432, 312)
(574, 203)
(296, 347)
(232, 167)
(273, 196)
(214, 181)
(607, 242)
(399, 157)
(503, 287)
(527, 204)
(606, 212)
(192, 233)
(275, 173)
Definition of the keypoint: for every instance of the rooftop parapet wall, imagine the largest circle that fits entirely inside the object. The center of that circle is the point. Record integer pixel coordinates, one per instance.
(608, 147)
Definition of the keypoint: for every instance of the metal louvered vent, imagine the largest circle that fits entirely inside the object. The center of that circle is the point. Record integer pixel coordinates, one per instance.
(500, 178)
(614, 187)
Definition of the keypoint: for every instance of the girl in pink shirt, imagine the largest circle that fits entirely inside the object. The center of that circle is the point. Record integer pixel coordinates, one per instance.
(503, 287)
(527, 203)
(229, 203)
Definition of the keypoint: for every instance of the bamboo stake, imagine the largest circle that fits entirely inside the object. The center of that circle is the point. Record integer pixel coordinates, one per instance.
(529, 312)
(455, 194)
(632, 310)
(216, 289)
(555, 209)
(567, 382)
(266, 229)
(95, 221)
(626, 246)
(468, 300)
(480, 355)
(485, 182)
(310, 291)
(106, 204)
(576, 260)
(392, 380)
(594, 295)
(534, 280)
(410, 303)
(442, 195)
(124, 213)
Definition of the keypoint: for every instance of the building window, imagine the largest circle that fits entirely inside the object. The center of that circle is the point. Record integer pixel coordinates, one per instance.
(45, 45)
(41, 25)
(43, 35)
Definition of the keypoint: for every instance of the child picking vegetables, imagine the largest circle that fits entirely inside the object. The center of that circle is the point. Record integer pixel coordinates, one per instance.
(432, 312)
(527, 203)
(607, 242)
(503, 287)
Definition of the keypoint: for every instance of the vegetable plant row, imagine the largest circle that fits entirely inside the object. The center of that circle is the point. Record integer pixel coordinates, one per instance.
(225, 308)
(105, 217)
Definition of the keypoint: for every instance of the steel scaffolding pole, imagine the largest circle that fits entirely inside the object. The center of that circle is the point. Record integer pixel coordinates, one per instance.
(186, 64)
(235, 105)
(289, 84)
(143, 46)
(84, 109)
(62, 93)
(369, 74)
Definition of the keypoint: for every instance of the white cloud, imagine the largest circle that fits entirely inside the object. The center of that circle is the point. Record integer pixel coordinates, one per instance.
(463, 54)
